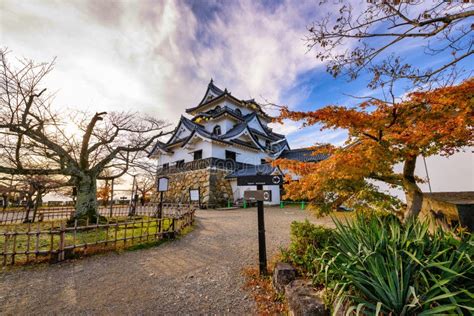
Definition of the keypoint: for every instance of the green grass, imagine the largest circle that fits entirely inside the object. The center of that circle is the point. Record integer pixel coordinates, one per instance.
(140, 234)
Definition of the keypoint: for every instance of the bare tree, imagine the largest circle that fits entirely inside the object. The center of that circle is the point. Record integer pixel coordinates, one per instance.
(369, 37)
(34, 188)
(36, 140)
(145, 183)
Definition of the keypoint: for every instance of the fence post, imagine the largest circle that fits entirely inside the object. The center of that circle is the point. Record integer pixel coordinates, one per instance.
(245, 203)
(302, 205)
(173, 227)
(61, 242)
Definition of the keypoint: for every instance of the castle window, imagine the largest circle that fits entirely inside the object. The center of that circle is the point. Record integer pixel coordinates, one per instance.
(216, 130)
(238, 111)
(179, 163)
(198, 154)
(263, 161)
(217, 108)
(267, 143)
(166, 166)
(230, 155)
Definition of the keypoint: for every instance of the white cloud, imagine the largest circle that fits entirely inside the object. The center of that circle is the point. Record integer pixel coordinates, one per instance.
(152, 56)
(288, 127)
(312, 135)
(157, 56)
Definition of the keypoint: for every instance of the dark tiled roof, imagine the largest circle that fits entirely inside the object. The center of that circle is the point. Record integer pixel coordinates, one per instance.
(194, 126)
(243, 143)
(214, 89)
(269, 135)
(234, 131)
(280, 145)
(264, 170)
(269, 131)
(466, 197)
(221, 94)
(302, 154)
(218, 112)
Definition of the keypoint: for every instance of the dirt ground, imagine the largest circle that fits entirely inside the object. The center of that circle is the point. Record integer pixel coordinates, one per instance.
(199, 273)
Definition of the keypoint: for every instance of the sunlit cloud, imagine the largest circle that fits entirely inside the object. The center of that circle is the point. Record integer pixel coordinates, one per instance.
(157, 57)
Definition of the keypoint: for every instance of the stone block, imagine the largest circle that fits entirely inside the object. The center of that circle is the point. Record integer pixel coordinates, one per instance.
(283, 274)
(303, 300)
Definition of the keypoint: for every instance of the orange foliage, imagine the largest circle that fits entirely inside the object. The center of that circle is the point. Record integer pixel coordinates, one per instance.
(103, 193)
(381, 135)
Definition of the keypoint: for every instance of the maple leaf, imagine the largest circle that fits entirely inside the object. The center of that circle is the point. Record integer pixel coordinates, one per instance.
(381, 135)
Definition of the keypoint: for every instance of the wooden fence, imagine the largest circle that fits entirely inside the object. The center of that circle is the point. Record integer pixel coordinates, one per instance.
(55, 242)
(18, 215)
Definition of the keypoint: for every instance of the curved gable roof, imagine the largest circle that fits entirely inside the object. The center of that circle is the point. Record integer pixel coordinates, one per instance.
(220, 94)
(211, 87)
(240, 129)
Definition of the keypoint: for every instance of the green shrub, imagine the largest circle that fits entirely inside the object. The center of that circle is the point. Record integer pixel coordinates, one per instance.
(380, 265)
(307, 241)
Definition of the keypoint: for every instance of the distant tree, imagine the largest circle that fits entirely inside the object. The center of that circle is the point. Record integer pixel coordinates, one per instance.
(369, 36)
(146, 182)
(37, 140)
(382, 135)
(32, 189)
(103, 193)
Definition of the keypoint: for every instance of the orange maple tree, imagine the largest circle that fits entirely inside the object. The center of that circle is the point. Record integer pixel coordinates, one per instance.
(103, 193)
(381, 135)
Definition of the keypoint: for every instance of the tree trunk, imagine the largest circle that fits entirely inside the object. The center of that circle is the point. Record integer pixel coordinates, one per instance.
(413, 193)
(29, 205)
(38, 202)
(86, 200)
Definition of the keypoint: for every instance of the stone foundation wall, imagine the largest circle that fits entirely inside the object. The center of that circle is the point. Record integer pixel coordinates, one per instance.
(215, 190)
(447, 214)
(220, 190)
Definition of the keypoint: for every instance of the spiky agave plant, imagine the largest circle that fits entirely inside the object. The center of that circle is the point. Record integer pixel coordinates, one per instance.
(381, 265)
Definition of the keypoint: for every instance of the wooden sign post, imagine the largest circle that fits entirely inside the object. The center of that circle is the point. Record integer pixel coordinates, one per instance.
(260, 195)
(162, 186)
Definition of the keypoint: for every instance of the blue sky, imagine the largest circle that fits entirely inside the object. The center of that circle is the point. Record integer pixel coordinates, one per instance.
(158, 56)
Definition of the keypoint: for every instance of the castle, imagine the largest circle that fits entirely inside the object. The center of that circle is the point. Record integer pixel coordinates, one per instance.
(225, 138)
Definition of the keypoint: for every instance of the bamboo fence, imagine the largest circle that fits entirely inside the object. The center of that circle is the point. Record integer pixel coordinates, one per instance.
(18, 215)
(55, 242)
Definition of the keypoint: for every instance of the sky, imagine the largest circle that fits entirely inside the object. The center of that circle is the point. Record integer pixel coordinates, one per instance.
(157, 57)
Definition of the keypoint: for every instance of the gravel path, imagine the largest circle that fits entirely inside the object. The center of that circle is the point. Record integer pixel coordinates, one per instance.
(199, 273)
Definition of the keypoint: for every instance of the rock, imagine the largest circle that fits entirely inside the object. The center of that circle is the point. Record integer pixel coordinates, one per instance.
(304, 300)
(283, 274)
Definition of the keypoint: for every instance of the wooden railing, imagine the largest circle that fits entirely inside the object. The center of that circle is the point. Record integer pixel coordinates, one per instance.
(224, 164)
(57, 213)
(54, 241)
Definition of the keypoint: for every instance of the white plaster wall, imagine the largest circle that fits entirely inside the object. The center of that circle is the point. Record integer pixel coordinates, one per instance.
(226, 124)
(243, 155)
(231, 105)
(186, 153)
(183, 132)
(256, 125)
(211, 150)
